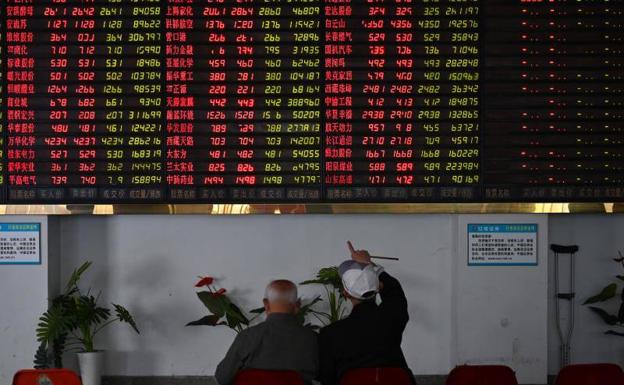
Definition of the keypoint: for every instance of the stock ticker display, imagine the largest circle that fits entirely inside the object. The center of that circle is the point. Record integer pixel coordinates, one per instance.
(311, 101)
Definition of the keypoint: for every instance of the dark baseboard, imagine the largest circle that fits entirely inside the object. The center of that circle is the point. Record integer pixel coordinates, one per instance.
(131, 380)
(157, 380)
(192, 380)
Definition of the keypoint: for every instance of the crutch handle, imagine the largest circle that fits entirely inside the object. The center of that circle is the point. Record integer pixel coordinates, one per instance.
(564, 249)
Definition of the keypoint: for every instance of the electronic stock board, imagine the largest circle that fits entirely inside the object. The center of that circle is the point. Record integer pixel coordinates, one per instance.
(313, 101)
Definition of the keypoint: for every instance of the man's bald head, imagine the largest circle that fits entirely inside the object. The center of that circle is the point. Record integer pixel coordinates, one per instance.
(281, 297)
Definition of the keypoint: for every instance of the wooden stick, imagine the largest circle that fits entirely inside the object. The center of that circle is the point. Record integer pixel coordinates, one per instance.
(388, 258)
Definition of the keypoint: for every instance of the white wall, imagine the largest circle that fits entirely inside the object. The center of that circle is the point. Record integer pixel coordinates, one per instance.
(23, 297)
(599, 238)
(501, 312)
(150, 264)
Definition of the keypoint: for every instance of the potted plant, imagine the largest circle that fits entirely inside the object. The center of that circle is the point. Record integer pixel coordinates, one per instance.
(224, 312)
(329, 278)
(71, 324)
(606, 295)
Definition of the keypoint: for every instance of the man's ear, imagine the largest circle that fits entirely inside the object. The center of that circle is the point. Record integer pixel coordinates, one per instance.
(267, 306)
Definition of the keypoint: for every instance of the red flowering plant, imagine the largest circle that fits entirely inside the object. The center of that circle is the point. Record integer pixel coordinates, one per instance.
(223, 311)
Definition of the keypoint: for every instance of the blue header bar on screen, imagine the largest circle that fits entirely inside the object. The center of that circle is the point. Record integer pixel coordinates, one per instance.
(20, 226)
(502, 228)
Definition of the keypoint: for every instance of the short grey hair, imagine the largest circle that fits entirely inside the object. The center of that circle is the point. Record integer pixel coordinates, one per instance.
(287, 293)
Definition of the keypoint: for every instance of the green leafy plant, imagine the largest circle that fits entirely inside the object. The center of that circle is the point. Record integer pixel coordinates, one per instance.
(73, 320)
(329, 279)
(607, 294)
(224, 312)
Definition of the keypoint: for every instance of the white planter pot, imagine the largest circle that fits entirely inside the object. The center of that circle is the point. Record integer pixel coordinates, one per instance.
(91, 366)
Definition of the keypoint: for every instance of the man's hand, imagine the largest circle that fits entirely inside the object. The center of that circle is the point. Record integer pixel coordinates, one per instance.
(361, 256)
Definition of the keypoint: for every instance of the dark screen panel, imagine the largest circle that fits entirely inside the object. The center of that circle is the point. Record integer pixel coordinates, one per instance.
(554, 93)
(311, 100)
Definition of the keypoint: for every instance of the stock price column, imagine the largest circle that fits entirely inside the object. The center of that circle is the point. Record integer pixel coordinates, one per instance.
(243, 100)
(201, 46)
(2, 105)
(180, 99)
(85, 120)
(403, 116)
(554, 99)
(20, 111)
(130, 37)
(291, 96)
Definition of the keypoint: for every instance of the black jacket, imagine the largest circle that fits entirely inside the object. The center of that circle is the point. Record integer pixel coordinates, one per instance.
(370, 337)
(279, 343)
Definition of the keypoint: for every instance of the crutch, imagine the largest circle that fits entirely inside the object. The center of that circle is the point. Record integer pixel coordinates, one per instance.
(565, 337)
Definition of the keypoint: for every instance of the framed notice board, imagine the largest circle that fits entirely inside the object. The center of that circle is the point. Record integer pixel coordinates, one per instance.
(502, 244)
(20, 243)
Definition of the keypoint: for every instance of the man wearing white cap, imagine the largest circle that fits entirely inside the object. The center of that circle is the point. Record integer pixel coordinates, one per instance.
(371, 336)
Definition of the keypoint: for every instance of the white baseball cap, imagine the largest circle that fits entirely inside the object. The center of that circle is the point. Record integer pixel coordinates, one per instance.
(360, 280)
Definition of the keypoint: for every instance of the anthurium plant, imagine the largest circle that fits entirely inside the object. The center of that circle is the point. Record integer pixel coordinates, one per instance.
(225, 312)
(607, 294)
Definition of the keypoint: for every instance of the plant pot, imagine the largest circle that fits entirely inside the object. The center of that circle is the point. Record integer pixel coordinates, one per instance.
(91, 367)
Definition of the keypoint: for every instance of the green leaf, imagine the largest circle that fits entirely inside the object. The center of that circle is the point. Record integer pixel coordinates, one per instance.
(214, 304)
(76, 275)
(607, 293)
(306, 309)
(236, 312)
(52, 324)
(58, 348)
(124, 316)
(232, 321)
(209, 320)
(610, 319)
(88, 313)
(326, 276)
(259, 310)
(42, 359)
(614, 333)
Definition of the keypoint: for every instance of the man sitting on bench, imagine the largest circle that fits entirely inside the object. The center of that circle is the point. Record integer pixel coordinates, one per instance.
(371, 336)
(279, 343)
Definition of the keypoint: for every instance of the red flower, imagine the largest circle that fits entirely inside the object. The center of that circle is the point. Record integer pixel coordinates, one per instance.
(205, 281)
(219, 292)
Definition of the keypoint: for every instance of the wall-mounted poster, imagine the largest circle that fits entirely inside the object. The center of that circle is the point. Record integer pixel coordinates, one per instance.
(510, 244)
(20, 243)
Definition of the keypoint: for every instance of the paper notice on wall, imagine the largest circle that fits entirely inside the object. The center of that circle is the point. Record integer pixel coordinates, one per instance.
(502, 244)
(20, 243)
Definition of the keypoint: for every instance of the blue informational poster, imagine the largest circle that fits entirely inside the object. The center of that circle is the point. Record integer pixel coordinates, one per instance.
(502, 244)
(20, 243)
